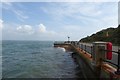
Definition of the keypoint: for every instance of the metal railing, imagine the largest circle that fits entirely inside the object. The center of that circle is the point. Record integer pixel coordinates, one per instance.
(86, 48)
(89, 49)
(59, 42)
(118, 61)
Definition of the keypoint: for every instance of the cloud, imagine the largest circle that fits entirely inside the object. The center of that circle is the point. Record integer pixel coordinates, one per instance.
(76, 19)
(85, 13)
(25, 29)
(75, 32)
(7, 4)
(1, 24)
(91, 9)
(39, 30)
(19, 13)
(42, 28)
(59, 0)
(73, 10)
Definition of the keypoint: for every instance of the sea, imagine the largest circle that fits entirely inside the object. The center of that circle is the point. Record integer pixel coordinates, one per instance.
(37, 59)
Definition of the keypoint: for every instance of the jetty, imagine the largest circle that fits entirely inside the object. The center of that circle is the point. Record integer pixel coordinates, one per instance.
(94, 58)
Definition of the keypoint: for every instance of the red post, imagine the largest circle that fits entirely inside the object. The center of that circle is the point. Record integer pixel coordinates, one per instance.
(109, 52)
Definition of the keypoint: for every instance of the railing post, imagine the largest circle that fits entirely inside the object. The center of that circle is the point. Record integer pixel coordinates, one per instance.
(91, 51)
(119, 60)
(118, 67)
(85, 49)
(98, 55)
(81, 46)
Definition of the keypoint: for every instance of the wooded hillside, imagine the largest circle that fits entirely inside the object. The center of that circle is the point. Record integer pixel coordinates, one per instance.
(107, 35)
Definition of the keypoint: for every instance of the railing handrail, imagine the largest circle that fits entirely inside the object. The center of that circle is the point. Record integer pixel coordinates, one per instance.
(80, 45)
(116, 52)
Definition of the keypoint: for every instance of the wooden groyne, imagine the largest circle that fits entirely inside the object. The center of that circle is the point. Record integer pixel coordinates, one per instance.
(93, 58)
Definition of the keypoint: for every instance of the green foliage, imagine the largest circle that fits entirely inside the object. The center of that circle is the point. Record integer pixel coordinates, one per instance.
(106, 35)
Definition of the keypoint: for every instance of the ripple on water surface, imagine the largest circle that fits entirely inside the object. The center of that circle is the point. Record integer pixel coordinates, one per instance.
(37, 59)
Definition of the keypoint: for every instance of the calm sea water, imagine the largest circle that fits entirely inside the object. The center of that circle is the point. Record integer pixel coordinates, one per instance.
(37, 59)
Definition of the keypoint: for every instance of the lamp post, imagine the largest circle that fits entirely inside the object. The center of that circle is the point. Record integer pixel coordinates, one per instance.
(68, 39)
